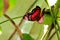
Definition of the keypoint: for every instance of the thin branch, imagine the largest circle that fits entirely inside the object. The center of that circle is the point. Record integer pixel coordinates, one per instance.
(57, 26)
(15, 30)
(11, 18)
(50, 29)
(56, 31)
(17, 27)
(12, 34)
(51, 36)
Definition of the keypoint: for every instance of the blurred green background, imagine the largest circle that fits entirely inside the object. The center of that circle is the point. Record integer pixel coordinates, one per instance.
(19, 9)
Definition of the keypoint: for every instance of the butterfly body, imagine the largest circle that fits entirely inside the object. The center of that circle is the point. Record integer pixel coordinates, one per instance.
(35, 13)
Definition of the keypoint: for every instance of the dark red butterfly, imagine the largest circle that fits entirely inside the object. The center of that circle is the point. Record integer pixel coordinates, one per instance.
(35, 15)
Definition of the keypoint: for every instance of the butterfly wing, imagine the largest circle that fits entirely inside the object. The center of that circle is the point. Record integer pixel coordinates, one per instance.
(35, 13)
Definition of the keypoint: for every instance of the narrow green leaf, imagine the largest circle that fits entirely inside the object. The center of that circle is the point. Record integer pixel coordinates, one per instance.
(59, 12)
(46, 1)
(58, 15)
(27, 37)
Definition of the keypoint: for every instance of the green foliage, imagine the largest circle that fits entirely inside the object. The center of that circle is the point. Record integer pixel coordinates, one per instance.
(59, 12)
(27, 37)
(1, 7)
(12, 3)
(46, 1)
(58, 3)
(0, 30)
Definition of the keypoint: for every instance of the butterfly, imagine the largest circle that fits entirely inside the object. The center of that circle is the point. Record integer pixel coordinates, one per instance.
(35, 15)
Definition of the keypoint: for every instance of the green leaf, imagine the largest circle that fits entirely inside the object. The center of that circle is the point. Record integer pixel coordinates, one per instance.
(47, 19)
(58, 3)
(0, 30)
(59, 12)
(1, 7)
(12, 3)
(27, 37)
(1, 13)
(46, 1)
(58, 15)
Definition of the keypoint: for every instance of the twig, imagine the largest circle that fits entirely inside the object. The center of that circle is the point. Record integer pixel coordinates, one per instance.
(56, 31)
(57, 26)
(17, 27)
(51, 36)
(12, 34)
(15, 30)
(50, 29)
(11, 18)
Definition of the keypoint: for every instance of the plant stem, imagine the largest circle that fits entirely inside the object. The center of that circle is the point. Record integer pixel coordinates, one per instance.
(57, 32)
(11, 18)
(54, 22)
(12, 34)
(57, 25)
(17, 27)
(8, 20)
(51, 36)
(51, 27)
(15, 30)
